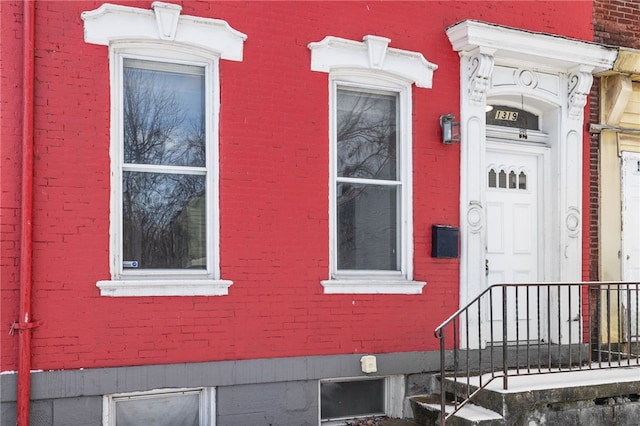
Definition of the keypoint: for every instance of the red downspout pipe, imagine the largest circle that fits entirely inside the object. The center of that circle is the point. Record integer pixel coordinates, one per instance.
(25, 323)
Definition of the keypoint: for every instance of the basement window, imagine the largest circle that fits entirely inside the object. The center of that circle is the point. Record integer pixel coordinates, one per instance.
(165, 407)
(348, 399)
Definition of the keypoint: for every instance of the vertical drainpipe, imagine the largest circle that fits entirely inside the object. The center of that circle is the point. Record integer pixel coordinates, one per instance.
(25, 322)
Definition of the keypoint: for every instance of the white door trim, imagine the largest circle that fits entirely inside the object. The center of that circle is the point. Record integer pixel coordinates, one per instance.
(552, 75)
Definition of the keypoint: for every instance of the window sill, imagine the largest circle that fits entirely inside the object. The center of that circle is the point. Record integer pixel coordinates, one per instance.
(364, 286)
(178, 287)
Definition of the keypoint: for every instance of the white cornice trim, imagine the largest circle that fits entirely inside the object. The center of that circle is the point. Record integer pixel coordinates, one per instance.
(552, 51)
(372, 53)
(112, 22)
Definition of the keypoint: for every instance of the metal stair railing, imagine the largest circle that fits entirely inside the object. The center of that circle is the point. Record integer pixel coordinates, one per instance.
(516, 329)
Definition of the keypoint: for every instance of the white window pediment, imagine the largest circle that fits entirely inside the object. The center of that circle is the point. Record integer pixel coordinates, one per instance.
(112, 22)
(373, 53)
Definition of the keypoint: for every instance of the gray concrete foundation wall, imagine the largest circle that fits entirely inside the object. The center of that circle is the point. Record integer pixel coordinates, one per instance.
(278, 391)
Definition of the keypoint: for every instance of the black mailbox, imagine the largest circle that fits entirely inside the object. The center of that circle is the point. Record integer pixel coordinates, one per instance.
(444, 241)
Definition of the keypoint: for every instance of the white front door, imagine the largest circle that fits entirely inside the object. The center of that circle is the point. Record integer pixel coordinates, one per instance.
(631, 230)
(514, 225)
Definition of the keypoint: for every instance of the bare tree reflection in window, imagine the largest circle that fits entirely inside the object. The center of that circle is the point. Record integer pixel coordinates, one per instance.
(164, 179)
(367, 210)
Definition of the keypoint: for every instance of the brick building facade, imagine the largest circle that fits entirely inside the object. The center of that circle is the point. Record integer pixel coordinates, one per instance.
(267, 307)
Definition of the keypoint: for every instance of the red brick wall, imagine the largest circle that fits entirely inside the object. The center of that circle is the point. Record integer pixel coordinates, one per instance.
(616, 23)
(10, 155)
(273, 195)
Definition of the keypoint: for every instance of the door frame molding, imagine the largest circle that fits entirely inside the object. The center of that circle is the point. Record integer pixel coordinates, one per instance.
(550, 76)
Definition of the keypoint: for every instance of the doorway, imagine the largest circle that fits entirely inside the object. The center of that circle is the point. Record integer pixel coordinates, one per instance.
(515, 226)
(630, 253)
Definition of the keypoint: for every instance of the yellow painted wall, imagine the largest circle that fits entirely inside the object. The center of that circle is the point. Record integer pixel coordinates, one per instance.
(610, 229)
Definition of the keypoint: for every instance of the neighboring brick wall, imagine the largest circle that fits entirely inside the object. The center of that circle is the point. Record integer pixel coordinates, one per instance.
(593, 182)
(273, 190)
(616, 23)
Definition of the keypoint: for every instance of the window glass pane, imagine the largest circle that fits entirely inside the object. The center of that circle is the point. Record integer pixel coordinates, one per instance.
(164, 220)
(169, 410)
(163, 114)
(512, 180)
(350, 399)
(367, 227)
(502, 179)
(522, 181)
(492, 178)
(366, 135)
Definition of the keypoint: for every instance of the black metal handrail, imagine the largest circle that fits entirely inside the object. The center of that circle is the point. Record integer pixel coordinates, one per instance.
(536, 328)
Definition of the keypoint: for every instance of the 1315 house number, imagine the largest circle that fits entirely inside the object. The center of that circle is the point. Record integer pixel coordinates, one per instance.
(506, 115)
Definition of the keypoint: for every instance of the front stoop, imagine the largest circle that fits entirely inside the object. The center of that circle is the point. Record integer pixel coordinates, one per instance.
(426, 411)
(609, 397)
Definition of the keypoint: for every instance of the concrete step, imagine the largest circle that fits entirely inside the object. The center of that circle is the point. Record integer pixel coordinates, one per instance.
(603, 397)
(426, 412)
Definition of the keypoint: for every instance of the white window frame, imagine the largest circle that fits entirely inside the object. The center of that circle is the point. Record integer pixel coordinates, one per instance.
(386, 85)
(394, 393)
(164, 279)
(372, 66)
(207, 402)
(163, 35)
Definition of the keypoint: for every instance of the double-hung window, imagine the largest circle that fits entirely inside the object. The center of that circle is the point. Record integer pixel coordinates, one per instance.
(368, 184)
(165, 96)
(165, 170)
(370, 151)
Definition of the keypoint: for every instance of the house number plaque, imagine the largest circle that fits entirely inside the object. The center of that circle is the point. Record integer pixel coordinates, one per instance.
(506, 115)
